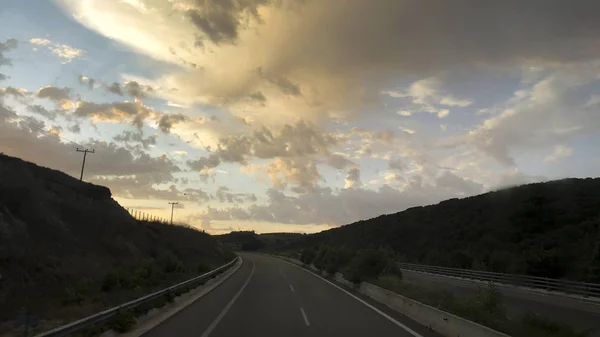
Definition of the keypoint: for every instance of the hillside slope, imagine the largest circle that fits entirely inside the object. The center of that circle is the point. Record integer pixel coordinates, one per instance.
(68, 249)
(548, 229)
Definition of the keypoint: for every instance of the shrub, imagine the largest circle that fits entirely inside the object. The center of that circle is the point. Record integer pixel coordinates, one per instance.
(203, 267)
(110, 282)
(319, 260)
(369, 264)
(308, 255)
(72, 296)
(336, 258)
(123, 322)
(172, 264)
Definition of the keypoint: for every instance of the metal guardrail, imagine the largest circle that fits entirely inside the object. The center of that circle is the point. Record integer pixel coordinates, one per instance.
(106, 314)
(564, 286)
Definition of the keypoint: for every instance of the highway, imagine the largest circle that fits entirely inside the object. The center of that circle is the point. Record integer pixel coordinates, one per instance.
(269, 297)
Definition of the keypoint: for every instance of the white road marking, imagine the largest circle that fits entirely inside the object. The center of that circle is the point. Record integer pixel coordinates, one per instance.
(213, 325)
(391, 319)
(305, 318)
(292, 288)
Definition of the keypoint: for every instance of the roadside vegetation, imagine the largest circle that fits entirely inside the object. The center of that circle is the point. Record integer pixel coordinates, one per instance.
(486, 306)
(68, 250)
(356, 266)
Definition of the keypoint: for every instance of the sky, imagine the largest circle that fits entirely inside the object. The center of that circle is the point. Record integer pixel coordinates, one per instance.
(301, 115)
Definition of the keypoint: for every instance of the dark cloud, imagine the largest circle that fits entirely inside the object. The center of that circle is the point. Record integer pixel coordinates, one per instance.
(225, 195)
(90, 82)
(339, 162)
(115, 112)
(54, 94)
(221, 20)
(131, 88)
(18, 94)
(204, 163)
(75, 128)
(166, 122)
(397, 164)
(40, 110)
(5, 46)
(115, 88)
(134, 89)
(353, 178)
(258, 96)
(136, 137)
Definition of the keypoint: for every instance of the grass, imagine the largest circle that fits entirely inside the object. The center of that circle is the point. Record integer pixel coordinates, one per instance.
(486, 308)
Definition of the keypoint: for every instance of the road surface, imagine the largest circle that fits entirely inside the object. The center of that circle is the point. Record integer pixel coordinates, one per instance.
(269, 297)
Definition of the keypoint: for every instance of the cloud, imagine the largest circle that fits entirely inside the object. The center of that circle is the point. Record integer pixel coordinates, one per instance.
(5, 46)
(18, 93)
(116, 112)
(458, 185)
(396, 164)
(136, 137)
(323, 206)
(427, 95)
(89, 82)
(546, 113)
(55, 130)
(75, 128)
(130, 88)
(443, 113)
(128, 173)
(26, 139)
(65, 52)
(224, 195)
(302, 174)
(166, 122)
(560, 151)
(220, 21)
(329, 50)
(515, 178)
(204, 163)
(40, 110)
(301, 139)
(54, 94)
(353, 178)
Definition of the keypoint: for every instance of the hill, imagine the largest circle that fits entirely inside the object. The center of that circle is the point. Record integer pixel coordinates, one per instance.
(67, 249)
(548, 229)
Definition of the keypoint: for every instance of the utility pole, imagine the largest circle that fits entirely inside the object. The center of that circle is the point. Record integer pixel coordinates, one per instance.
(85, 152)
(172, 206)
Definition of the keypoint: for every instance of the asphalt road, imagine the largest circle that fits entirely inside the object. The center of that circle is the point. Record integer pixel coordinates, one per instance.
(269, 297)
